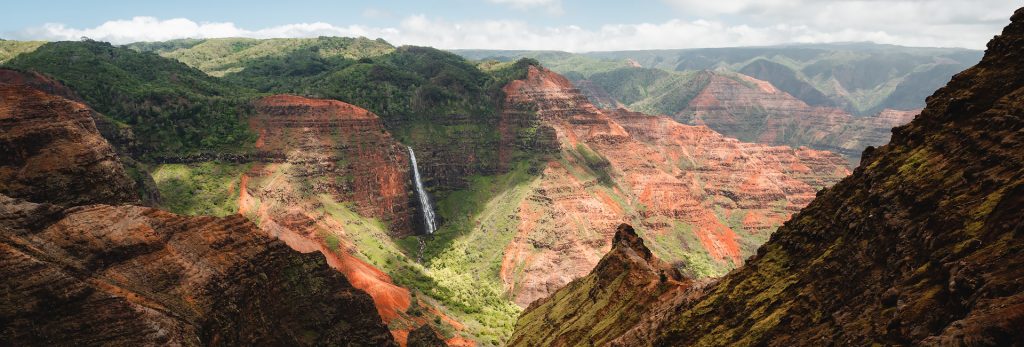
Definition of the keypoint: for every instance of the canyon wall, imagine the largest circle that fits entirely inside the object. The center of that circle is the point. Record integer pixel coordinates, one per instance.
(921, 245)
(753, 110)
(78, 269)
(706, 199)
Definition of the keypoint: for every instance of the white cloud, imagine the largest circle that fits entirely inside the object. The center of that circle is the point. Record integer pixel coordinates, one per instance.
(551, 6)
(916, 22)
(939, 27)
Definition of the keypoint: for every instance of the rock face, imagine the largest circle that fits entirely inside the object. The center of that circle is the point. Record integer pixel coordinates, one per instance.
(628, 281)
(50, 151)
(921, 245)
(340, 150)
(753, 110)
(708, 198)
(340, 168)
(128, 275)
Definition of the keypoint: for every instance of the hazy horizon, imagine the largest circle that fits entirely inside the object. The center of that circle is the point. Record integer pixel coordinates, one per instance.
(559, 25)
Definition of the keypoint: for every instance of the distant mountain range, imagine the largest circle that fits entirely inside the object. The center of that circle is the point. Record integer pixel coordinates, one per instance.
(861, 78)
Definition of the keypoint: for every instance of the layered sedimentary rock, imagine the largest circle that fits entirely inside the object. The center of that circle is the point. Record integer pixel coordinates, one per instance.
(340, 168)
(753, 110)
(705, 198)
(600, 306)
(921, 245)
(51, 151)
(129, 275)
(340, 150)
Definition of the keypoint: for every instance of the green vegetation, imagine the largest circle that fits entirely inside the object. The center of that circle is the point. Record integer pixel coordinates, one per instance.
(461, 260)
(859, 77)
(598, 165)
(464, 256)
(411, 83)
(219, 57)
(172, 108)
(10, 49)
(209, 188)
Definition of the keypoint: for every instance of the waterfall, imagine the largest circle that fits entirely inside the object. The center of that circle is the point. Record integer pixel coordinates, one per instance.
(428, 209)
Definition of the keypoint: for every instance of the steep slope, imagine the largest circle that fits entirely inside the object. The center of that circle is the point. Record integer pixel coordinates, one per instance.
(118, 135)
(940, 208)
(50, 151)
(335, 181)
(787, 80)
(340, 150)
(133, 275)
(627, 281)
(754, 110)
(705, 200)
(98, 274)
(434, 101)
(920, 246)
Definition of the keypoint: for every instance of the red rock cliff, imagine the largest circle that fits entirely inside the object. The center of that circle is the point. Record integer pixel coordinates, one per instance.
(50, 151)
(753, 110)
(701, 193)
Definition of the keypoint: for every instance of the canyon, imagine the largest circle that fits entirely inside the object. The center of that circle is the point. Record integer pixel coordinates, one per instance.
(83, 264)
(919, 246)
(702, 198)
(254, 182)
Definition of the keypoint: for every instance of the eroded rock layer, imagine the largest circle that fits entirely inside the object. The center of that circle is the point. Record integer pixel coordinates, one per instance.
(344, 179)
(704, 199)
(921, 245)
(51, 151)
(341, 150)
(129, 275)
(753, 110)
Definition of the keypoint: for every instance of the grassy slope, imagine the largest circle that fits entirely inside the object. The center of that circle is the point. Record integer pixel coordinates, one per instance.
(219, 57)
(208, 188)
(10, 49)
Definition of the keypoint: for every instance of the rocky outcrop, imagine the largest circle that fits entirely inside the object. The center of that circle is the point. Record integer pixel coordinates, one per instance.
(708, 198)
(129, 275)
(753, 110)
(596, 308)
(51, 151)
(425, 336)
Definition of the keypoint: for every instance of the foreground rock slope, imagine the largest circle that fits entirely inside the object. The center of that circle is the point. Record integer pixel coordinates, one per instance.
(922, 245)
(598, 307)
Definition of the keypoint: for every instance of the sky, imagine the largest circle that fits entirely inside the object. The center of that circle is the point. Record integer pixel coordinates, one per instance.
(567, 25)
